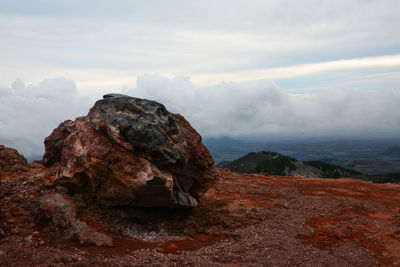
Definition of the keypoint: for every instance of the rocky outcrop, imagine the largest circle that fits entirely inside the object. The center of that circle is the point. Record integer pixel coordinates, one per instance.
(130, 151)
(11, 160)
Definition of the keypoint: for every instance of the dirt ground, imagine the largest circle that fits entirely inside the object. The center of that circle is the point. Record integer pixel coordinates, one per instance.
(244, 220)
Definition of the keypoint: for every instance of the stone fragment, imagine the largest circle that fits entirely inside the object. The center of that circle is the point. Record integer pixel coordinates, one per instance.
(86, 235)
(2, 234)
(172, 248)
(59, 208)
(62, 212)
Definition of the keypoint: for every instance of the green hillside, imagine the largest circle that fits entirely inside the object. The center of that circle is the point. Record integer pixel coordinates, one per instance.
(277, 164)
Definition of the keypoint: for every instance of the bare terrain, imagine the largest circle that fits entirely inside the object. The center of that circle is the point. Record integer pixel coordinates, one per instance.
(131, 184)
(243, 220)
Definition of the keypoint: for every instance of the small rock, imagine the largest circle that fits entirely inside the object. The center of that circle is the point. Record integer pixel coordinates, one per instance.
(59, 208)
(339, 233)
(41, 242)
(86, 235)
(61, 189)
(29, 225)
(172, 248)
(2, 234)
(67, 260)
(35, 233)
(158, 249)
(28, 238)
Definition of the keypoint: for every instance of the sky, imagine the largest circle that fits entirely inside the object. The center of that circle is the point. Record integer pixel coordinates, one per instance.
(243, 69)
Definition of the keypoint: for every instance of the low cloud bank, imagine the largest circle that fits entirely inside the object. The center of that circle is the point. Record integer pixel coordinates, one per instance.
(258, 109)
(28, 114)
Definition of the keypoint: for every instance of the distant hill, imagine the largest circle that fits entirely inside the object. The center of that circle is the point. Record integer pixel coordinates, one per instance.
(340, 150)
(278, 164)
(377, 159)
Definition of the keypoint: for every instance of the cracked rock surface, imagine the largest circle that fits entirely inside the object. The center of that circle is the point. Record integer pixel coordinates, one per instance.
(130, 151)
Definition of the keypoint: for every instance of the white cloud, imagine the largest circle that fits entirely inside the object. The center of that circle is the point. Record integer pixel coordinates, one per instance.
(383, 62)
(257, 109)
(261, 109)
(309, 45)
(106, 44)
(29, 113)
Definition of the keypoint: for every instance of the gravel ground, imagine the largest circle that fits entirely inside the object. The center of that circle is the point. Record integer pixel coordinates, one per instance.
(244, 220)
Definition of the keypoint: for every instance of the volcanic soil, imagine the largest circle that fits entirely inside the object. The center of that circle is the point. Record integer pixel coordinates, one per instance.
(243, 220)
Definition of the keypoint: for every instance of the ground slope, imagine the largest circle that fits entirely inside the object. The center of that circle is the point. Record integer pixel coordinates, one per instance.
(244, 220)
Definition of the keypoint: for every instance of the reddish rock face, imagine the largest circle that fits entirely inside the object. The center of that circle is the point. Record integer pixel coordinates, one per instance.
(130, 151)
(11, 160)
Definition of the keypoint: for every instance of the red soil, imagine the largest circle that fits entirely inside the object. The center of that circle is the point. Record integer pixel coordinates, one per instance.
(244, 220)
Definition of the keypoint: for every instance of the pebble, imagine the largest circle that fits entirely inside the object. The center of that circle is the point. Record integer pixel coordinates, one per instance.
(339, 233)
(2, 234)
(66, 259)
(172, 248)
(158, 249)
(41, 242)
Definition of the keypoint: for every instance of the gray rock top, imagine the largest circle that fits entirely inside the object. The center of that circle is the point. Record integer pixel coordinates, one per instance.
(139, 125)
(114, 95)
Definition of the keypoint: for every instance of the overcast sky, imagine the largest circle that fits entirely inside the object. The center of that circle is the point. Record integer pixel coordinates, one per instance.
(233, 68)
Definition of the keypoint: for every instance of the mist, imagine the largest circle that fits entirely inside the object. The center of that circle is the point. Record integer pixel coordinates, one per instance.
(251, 110)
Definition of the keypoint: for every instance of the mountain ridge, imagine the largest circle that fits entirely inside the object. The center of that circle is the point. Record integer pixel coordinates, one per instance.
(275, 163)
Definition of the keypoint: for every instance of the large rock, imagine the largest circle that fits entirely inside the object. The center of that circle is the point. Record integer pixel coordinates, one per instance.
(130, 151)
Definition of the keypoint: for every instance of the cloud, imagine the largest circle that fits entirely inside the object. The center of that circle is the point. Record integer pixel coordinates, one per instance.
(260, 109)
(256, 109)
(392, 61)
(29, 113)
(104, 44)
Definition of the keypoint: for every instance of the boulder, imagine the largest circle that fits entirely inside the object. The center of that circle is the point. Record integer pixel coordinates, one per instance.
(130, 151)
